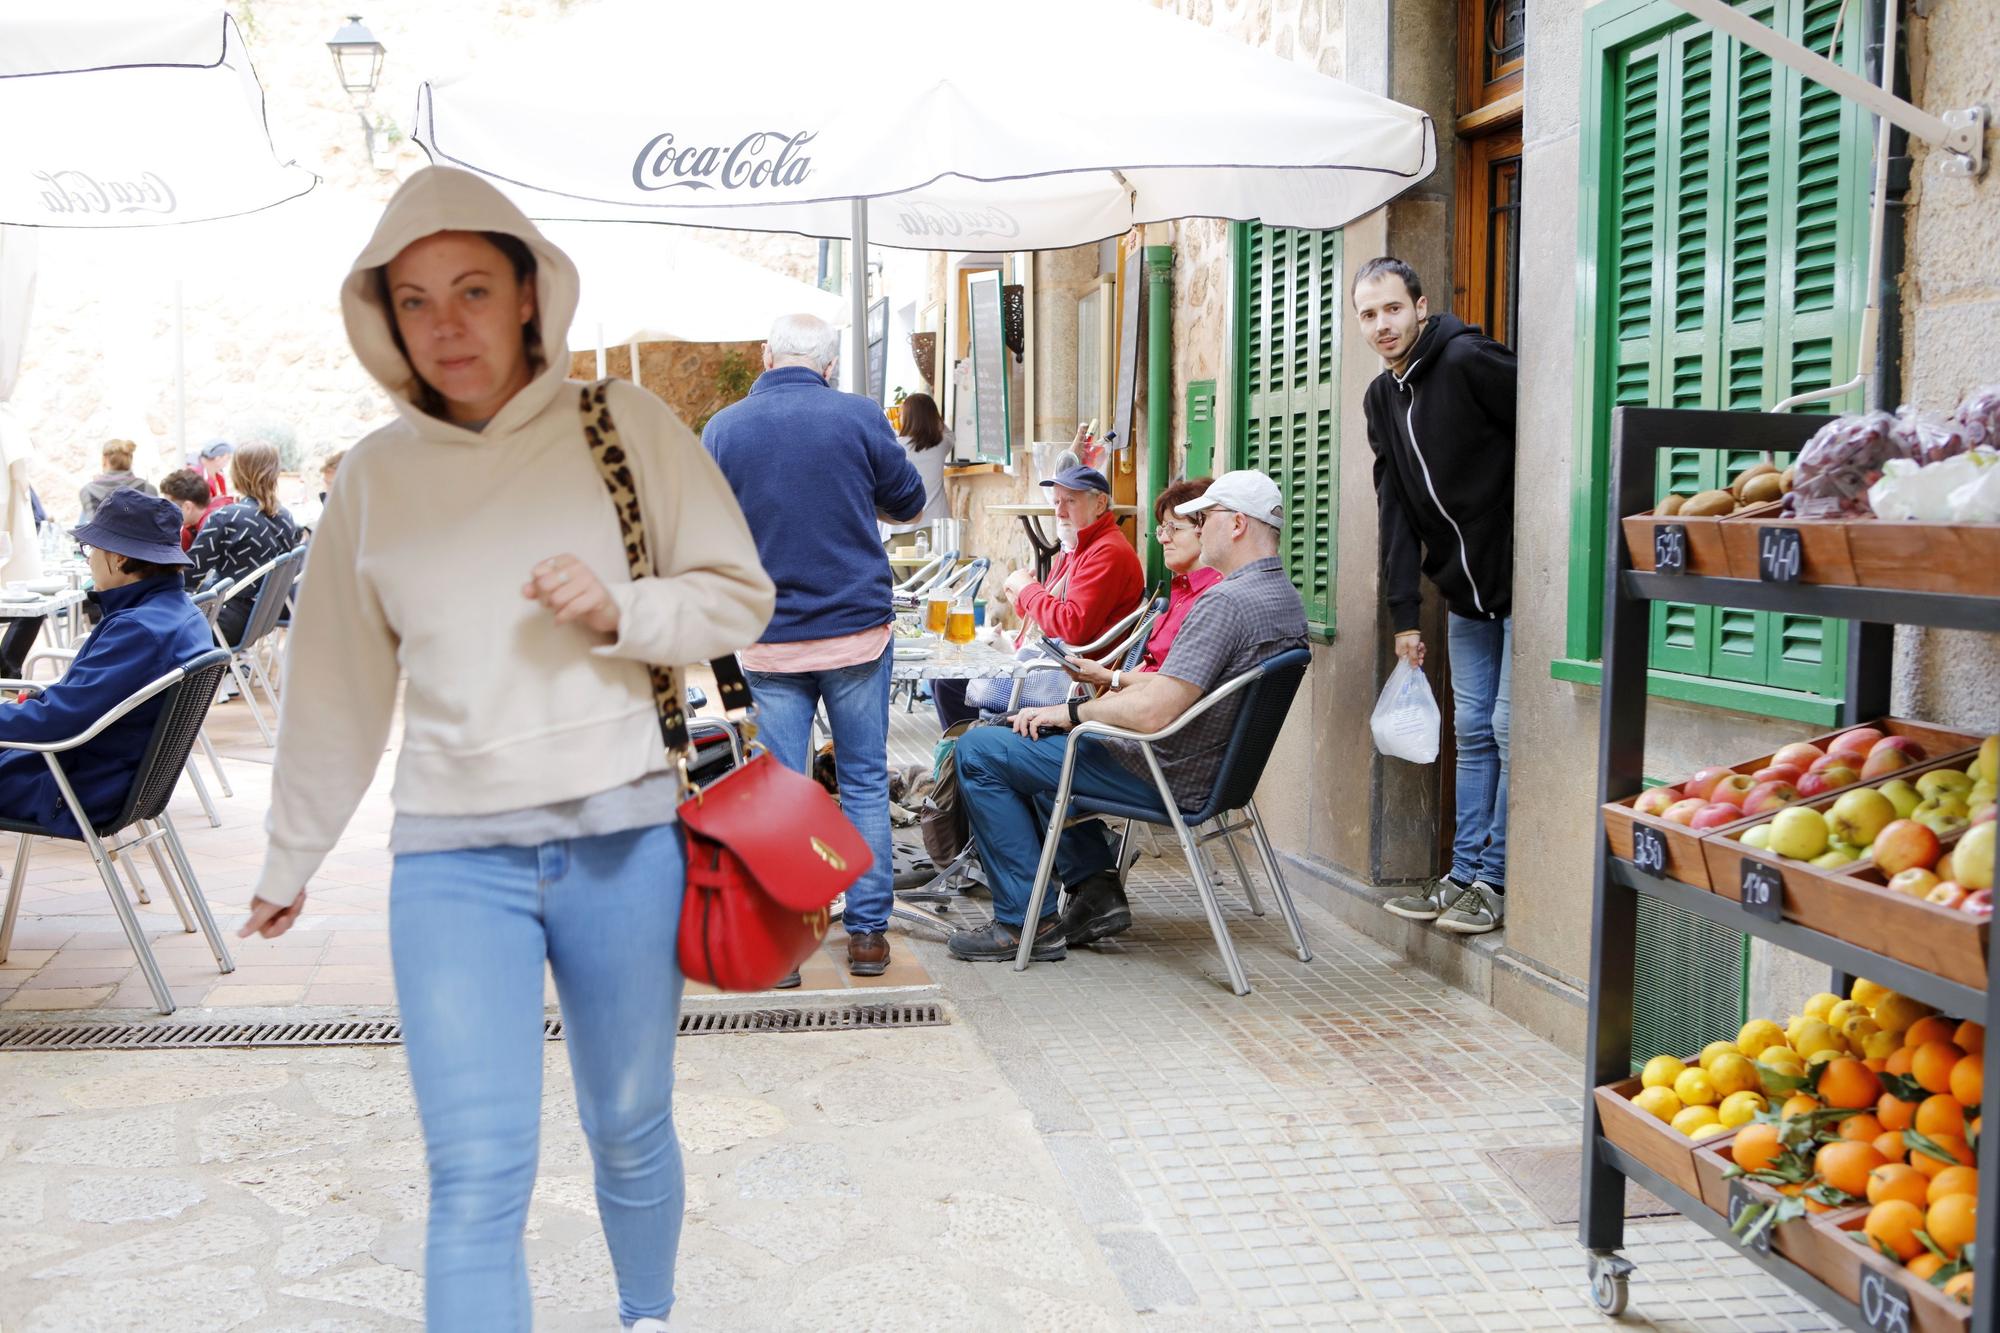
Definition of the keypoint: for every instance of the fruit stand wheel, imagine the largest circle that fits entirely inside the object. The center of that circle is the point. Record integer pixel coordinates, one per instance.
(1610, 1282)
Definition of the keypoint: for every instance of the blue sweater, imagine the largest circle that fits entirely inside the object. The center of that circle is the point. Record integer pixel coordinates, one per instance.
(812, 467)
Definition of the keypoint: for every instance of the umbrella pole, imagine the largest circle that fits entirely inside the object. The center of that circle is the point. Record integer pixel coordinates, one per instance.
(600, 351)
(632, 350)
(180, 375)
(857, 370)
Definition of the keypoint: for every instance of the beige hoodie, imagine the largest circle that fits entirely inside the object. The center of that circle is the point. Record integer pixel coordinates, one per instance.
(418, 564)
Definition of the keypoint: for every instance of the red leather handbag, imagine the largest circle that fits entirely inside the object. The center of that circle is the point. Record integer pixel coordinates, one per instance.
(767, 849)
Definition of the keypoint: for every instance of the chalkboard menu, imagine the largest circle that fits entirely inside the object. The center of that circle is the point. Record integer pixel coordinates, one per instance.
(878, 350)
(1130, 279)
(991, 428)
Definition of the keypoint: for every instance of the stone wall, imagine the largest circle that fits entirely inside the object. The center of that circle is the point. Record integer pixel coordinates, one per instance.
(688, 377)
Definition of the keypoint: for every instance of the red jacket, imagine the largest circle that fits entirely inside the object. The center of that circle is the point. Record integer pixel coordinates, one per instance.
(1105, 582)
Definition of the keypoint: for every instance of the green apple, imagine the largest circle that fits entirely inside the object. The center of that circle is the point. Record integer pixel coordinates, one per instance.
(1859, 815)
(1982, 791)
(1834, 858)
(1943, 816)
(1799, 832)
(1759, 837)
(1940, 781)
(1902, 795)
(1972, 859)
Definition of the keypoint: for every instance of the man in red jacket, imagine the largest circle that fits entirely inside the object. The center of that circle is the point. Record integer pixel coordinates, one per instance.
(1095, 581)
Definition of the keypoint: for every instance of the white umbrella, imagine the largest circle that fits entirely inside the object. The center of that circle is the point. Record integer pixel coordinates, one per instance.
(132, 113)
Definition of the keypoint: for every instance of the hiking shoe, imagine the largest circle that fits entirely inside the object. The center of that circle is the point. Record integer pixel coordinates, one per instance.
(996, 942)
(1427, 905)
(1475, 911)
(1096, 911)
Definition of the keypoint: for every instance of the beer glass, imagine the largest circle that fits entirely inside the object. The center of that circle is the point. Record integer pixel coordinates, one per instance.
(958, 623)
(936, 611)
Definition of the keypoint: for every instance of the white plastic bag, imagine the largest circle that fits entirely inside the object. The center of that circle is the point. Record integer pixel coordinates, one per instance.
(1406, 717)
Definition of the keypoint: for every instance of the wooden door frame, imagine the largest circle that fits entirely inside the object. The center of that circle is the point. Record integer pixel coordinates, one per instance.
(1471, 279)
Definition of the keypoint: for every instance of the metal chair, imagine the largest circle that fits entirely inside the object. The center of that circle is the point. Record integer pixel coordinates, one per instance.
(1267, 690)
(1126, 635)
(273, 581)
(912, 590)
(188, 691)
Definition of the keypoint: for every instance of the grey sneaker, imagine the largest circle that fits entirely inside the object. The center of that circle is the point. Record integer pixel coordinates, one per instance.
(1475, 911)
(1427, 905)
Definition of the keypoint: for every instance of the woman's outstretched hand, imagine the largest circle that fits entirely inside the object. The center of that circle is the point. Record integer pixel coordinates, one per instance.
(271, 920)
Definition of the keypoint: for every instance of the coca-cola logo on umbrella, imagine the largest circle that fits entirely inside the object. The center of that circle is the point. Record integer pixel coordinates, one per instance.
(81, 192)
(928, 219)
(764, 159)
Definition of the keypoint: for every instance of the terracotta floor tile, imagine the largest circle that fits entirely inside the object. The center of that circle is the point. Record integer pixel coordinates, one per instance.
(352, 973)
(384, 994)
(229, 997)
(57, 977)
(352, 955)
(56, 999)
(265, 974)
(25, 960)
(85, 958)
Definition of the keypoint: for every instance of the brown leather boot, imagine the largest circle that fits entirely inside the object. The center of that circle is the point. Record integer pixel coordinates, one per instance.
(868, 954)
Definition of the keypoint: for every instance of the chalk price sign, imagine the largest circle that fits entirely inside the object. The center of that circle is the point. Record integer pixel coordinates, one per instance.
(1779, 557)
(1649, 850)
(1884, 1304)
(1740, 1199)
(1763, 890)
(1670, 549)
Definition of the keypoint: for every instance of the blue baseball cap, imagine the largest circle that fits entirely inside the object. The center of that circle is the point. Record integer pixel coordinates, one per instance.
(131, 523)
(1080, 479)
(217, 449)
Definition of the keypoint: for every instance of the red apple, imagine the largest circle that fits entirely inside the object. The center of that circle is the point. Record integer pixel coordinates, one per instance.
(1904, 743)
(1702, 783)
(1881, 763)
(1655, 800)
(1858, 741)
(1986, 814)
(1914, 881)
(1715, 814)
(1799, 754)
(1779, 773)
(1945, 894)
(1682, 812)
(1836, 759)
(1818, 784)
(1979, 902)
(1905, 845)
(1768, 796)
(1732, 789)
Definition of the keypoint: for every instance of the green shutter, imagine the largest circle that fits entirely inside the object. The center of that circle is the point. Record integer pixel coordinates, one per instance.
(1688, 982)
(1200, 428)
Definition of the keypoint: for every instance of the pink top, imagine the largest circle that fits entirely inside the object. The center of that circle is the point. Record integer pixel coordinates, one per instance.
(817, 654)
(1180, 597)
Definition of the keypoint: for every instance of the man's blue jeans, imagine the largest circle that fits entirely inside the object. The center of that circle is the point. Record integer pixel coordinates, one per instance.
(1482, 676)
(469, 932)
(857, 708)
(1009, 786)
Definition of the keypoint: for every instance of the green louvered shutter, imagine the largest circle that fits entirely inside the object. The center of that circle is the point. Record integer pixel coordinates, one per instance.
(1200, 428)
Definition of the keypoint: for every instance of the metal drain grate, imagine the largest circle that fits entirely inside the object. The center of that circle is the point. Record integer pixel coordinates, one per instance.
(389, 1031)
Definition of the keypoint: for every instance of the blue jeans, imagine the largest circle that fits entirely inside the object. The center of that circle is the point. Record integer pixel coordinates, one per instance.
(468, 932)
(1009, 783)
(1482, 676)
(857, 708)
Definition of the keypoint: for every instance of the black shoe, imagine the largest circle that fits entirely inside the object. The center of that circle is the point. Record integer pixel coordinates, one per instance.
(791, 982)
(998, 943)
(1096, 911)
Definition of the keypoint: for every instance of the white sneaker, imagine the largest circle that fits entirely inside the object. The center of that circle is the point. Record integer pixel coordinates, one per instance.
(650, 1326)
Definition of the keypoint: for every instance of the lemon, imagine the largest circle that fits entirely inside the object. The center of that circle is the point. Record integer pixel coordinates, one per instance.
(1881, 1045)
(1739, 1108)
(1695, 1089)
(1813, 1037)
(1733, 1074)
(1838, 1016)
(1859, 1029)
(1792, 1027)
(1868, 993)
(1785, 1063)
(1709, 1131)
(1692, 1118)
(1896, 1012)
(1714, 1051)
(1830, 1053)
(1819, 1005)
(1659, 1103)
(1661, 1071)
(1759, 1034)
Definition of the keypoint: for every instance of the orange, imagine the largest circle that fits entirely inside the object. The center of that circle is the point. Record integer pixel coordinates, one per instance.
(1895, 1113)
(1931, 1065)
(1960, 1288)
(1863, 1128)
(1796, 1105)
(1846, 1082)
(1952, 1180)
(1875, 1066)
(1933, 1028)
(1924, 1265)
(1890, 1145)
(1940, 1115)
(1893, 1180)
(1845, 1165)
(1952, 1144)
(1894, 1224)
(1756, 1147)
(1899, 1063)
(1968, 1078)
(1952, 1221)
(1970, 1037)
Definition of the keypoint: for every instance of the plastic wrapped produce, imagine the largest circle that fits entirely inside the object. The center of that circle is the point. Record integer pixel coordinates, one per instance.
(1979, 418)
(1978, 501)
(1840, 463)
(1964, 488)
(1928, 437)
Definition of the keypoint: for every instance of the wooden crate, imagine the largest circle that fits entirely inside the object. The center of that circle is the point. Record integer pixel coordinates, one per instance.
(1845, 1259)
(1943, 940)
(1823, 554)
(1961, 558)
(1795, 1239)
(1704, 542)
(1711, 1158)
(1658, 1145)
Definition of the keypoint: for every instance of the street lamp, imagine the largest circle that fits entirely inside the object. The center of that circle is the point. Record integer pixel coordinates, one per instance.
(357, 59)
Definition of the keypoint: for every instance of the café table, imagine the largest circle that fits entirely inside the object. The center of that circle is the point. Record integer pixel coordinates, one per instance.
(25, 616)
(1031, 517)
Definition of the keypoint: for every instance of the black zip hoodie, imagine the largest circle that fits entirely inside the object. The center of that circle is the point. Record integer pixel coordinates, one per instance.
(1443, 436)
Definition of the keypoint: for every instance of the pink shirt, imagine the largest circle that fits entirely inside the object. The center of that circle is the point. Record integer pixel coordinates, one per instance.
(817, 654)
(1180, 597)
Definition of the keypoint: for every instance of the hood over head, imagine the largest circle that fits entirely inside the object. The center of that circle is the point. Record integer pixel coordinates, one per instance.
(439, 199)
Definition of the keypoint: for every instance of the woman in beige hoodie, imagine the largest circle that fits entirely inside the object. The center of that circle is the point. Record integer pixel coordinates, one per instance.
(471, 551)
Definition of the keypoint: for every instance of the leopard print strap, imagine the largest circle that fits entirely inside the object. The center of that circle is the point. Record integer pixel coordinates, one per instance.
(606, 449)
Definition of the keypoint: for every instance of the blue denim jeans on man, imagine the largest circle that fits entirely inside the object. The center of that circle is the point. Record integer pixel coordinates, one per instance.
(469, 932)
(857, 709)
(1482, 675)
(1008, 783)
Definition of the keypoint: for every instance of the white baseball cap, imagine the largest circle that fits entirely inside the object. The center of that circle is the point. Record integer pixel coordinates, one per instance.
(1247, 492)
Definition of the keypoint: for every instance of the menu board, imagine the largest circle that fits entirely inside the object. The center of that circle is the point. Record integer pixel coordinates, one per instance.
(991, 428)
(878, 350)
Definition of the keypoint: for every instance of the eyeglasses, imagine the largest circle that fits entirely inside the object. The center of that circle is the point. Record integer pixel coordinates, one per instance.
(1169, 531)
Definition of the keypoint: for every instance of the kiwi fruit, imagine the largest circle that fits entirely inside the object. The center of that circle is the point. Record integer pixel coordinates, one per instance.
(1749, 474)
(1709, 504)
(1762, 489)
(1671, 506)
(1791, 476)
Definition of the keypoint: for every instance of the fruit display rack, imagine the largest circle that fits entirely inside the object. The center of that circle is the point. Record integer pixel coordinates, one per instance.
(1638, 434)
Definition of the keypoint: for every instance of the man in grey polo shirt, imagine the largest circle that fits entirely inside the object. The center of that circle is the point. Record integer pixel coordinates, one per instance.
(1009, 778)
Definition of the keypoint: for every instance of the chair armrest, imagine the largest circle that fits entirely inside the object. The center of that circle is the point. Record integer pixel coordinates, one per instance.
(24, 686)
(125, 706)
(1201, 706)
(1105, 641)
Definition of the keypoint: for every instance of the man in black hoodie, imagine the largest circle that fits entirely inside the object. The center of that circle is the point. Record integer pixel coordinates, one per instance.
(1441, 423)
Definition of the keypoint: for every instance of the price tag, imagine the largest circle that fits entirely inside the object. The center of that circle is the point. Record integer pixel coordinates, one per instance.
(1741, 1198)
(1884, 1304)
(1649, 850)
(1670, 549)
(1763, 890)
(1778, 555)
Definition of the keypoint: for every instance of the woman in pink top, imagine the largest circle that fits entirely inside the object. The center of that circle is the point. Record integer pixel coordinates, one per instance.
(1180, 541)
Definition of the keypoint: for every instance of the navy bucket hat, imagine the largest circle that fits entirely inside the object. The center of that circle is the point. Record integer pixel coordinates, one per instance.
(132, 523)
(1080, 479)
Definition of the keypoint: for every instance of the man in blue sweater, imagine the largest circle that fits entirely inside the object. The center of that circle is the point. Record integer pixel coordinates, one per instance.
(814, 470)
